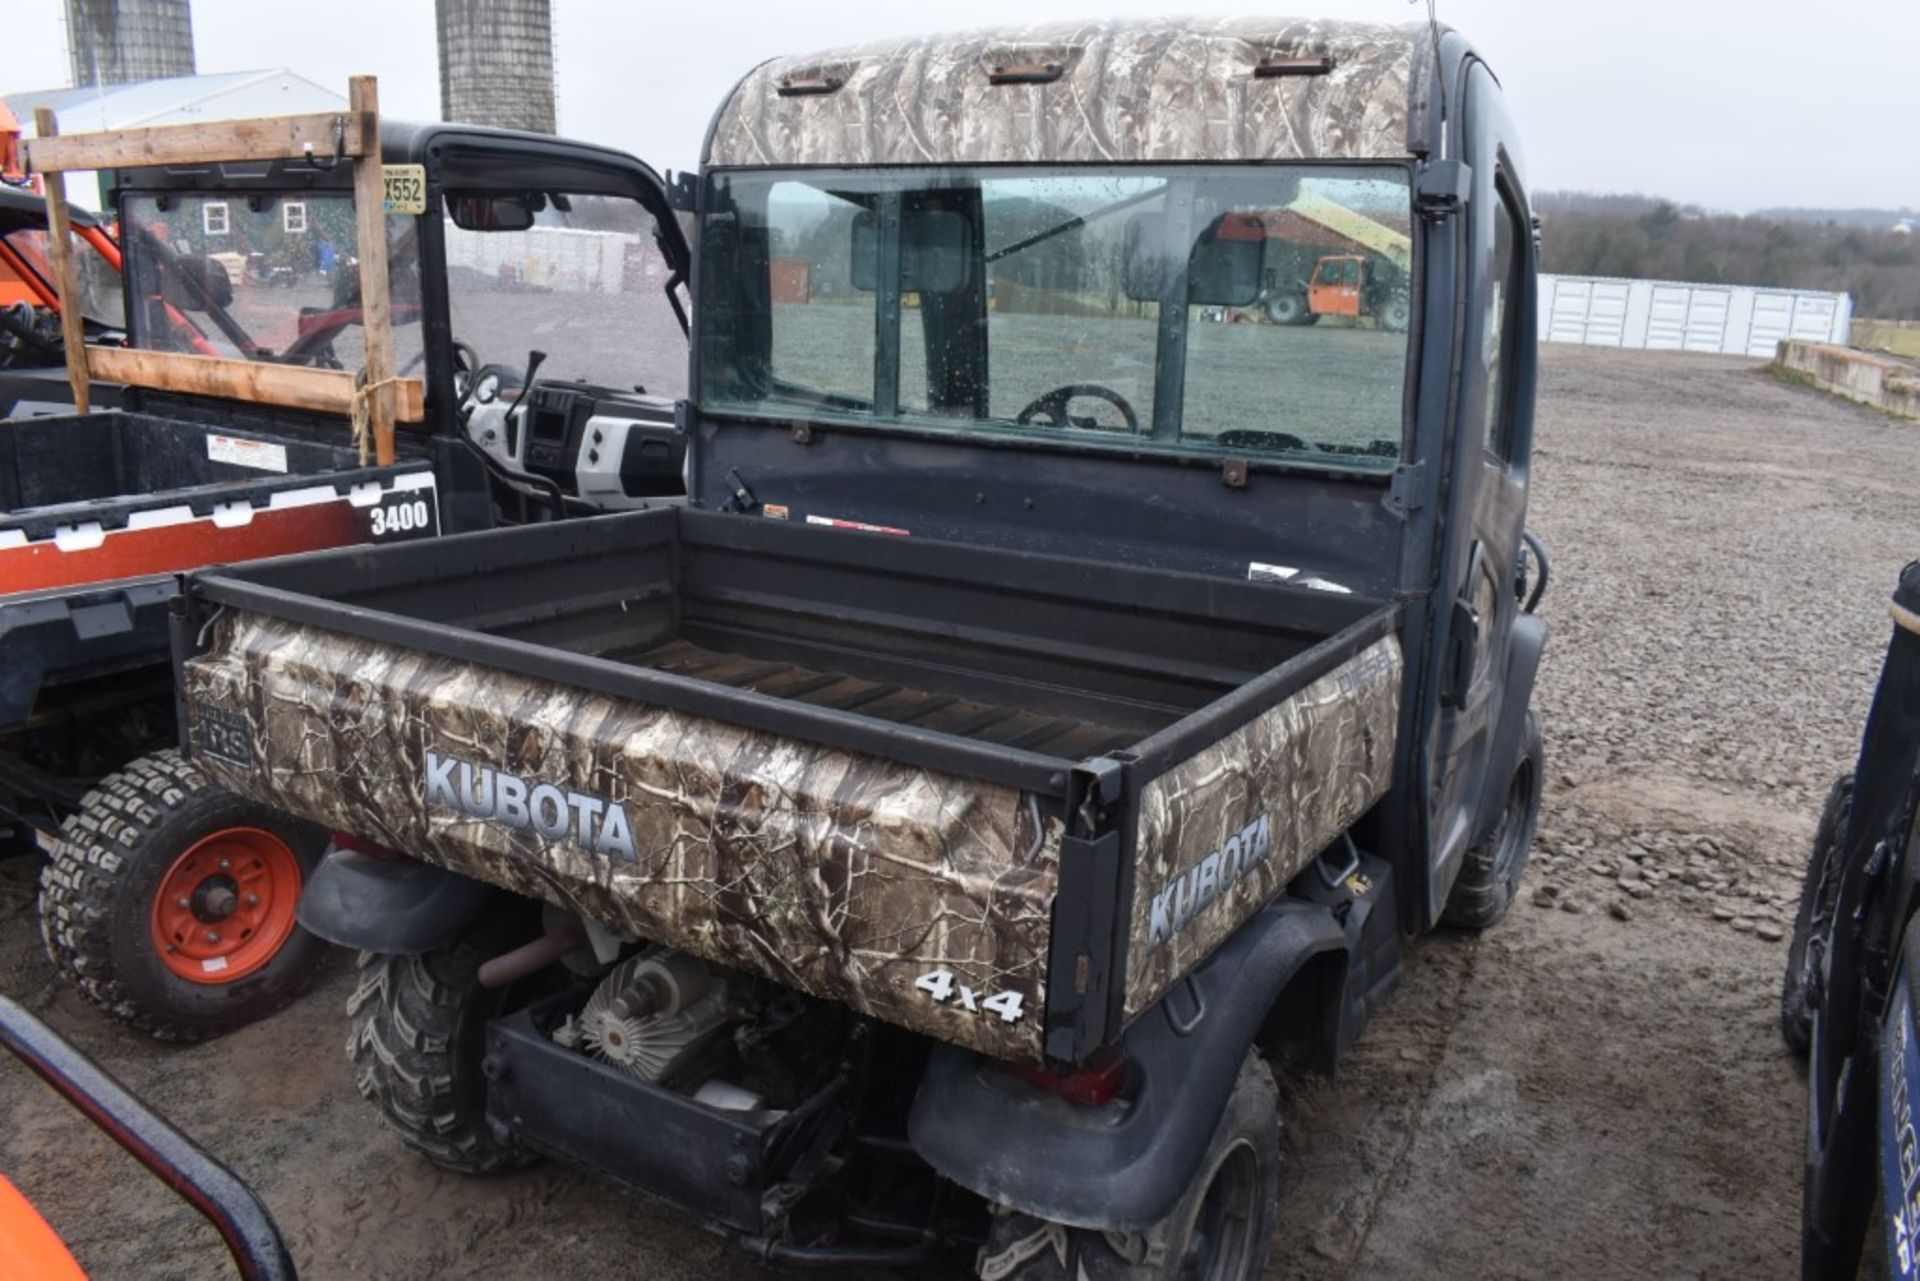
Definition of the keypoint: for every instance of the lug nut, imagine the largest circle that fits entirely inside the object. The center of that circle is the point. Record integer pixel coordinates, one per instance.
(182, 901)
(213, 936)
(253, 900)
(225, 864)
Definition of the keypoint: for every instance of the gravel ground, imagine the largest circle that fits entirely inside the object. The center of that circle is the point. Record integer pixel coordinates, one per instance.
(1594, 1088)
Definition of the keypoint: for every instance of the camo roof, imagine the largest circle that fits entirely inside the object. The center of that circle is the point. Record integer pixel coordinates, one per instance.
(1153, 91)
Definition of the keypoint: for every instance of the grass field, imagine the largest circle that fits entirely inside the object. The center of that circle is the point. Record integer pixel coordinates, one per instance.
(1895, 337)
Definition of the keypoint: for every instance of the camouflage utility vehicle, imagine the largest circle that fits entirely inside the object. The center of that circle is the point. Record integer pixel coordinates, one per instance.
(1056, 696)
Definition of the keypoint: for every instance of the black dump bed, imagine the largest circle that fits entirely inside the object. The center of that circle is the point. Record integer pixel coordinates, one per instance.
(99, 510)
(850, 761)
(984, 655)
(105, 466)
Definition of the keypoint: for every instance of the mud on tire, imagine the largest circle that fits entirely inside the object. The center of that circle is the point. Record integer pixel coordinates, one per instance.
(1218, 1231)
(98, 901)
(1490, 874)
(416, 1045)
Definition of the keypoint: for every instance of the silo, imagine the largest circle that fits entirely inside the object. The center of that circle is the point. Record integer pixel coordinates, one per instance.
(117, 42)
(496, 63)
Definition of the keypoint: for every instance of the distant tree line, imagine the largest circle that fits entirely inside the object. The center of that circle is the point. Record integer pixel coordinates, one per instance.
(1639, 236)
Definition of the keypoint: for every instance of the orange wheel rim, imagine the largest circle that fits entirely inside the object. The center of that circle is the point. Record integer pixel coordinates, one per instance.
(225, 907)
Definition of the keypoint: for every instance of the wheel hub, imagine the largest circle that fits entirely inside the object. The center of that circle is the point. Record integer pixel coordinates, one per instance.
(226, 905)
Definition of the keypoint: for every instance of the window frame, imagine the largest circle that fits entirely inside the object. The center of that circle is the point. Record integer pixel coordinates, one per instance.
(1497, 431)
(1176, 448)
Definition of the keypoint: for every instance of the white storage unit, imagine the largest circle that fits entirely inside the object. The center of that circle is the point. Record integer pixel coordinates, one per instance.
(1664, 315)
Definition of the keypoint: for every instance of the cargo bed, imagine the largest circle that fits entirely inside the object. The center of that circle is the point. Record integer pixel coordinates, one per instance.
(97, 511)
(848, 761)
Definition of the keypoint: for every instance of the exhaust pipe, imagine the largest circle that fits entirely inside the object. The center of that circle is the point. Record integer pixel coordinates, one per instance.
(529, 958)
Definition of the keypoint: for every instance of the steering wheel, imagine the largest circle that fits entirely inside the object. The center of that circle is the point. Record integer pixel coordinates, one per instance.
(465, 361)
(1054, 406)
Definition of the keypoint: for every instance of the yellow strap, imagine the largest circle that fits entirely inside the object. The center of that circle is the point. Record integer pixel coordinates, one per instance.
(1906, 618)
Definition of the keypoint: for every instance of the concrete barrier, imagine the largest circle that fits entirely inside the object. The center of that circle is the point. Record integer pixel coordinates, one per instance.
(1879, 381)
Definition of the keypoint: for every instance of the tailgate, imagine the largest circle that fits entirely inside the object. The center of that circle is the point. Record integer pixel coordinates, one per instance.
(851, 877)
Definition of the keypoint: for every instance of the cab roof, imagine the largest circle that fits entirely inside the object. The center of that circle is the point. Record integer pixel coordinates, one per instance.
(1157, 91)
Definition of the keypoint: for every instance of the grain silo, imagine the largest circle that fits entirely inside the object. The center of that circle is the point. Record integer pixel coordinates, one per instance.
(118, 42)
(496, 63)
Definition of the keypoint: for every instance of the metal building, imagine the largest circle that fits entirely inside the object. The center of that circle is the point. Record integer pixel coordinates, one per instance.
(1669, 315)
(496, 63)
(119, 42)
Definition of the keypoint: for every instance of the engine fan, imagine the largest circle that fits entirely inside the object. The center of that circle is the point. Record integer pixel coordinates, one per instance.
(652, 1014)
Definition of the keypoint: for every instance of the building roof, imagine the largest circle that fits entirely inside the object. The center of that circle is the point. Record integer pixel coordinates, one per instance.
(232, 95)
(1126, 91)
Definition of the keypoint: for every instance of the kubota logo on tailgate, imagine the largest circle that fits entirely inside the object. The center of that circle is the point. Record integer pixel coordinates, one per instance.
(481, 791)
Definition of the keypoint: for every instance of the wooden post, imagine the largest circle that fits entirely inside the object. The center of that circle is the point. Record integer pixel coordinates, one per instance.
(369, 207)
(66, 273)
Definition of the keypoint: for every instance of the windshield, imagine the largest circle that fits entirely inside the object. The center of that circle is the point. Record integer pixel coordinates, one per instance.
(100, 297)
(262, 276)
(1211, 310)
(586, 284)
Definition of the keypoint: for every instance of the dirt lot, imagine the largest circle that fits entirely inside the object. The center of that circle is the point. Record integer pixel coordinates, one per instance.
(1594, 1088)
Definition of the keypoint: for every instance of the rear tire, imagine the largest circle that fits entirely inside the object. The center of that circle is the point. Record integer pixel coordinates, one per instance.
(1397, 314)
(158, 829)
(417, 1040)
(1288, 309)
(1489, 878)
(1818, 889)
(1218, 1231)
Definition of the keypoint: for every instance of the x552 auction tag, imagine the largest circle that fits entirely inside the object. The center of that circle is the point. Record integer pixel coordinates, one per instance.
(406, 188)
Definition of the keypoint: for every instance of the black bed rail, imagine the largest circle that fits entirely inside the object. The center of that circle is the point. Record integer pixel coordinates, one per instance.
(849, 731)
(234, 1209)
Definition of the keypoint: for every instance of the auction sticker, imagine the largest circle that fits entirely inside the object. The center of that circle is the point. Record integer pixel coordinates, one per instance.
(260, 455)
(406, 188)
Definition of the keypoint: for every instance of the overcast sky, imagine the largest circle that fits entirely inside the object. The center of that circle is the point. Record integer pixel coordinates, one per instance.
(1733, 104)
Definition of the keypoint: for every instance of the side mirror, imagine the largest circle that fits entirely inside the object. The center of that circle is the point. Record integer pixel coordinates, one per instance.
(1223, 270)
(490, 212)
(933, 251)
(195, 284)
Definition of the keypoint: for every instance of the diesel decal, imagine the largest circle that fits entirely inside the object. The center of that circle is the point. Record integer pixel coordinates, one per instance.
(1183, 897)
(480, 791)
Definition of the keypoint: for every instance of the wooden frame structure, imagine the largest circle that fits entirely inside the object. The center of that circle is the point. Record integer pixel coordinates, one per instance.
(377, 396)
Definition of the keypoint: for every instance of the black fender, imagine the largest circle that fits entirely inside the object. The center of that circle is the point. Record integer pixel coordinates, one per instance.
(1121, 1165)
(1524, 644)
(393, 905)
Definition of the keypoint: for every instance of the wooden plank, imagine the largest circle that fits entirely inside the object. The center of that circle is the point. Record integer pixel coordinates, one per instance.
(376, 317)
(65, 271)
(264, 138)
(328, 391)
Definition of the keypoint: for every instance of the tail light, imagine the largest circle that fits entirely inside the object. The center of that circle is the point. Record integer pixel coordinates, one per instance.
(1104, 1076)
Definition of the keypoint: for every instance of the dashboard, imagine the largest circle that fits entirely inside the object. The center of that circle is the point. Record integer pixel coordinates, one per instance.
(611, 449)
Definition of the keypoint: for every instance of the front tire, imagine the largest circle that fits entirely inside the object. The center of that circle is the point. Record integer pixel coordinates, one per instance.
(1218, 1231)
(1288, 309)
(170, 902)
(417, 1041)
(1819, 889)
(1489, 878)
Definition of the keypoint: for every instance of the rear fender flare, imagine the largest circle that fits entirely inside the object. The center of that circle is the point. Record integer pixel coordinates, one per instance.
(1528, 639)
(1120, 1167)
(392, 905)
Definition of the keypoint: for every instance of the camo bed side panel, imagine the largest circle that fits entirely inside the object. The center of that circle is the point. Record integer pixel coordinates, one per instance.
(844, 876)
(1169, 90)
(1221, 833)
